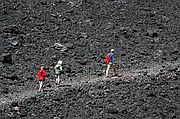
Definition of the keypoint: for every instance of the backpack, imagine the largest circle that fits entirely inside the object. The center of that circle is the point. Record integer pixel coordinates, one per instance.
(107, 58)
(58, 69)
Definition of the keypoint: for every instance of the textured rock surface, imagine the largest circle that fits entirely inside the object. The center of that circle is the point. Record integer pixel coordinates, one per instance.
(144, 34)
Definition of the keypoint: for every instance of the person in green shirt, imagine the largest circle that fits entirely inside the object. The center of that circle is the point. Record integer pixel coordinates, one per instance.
(58, 71)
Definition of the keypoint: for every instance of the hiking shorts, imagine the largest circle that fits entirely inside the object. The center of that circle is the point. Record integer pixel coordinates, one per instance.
(41, 82)
(56, 75)
(110, 63)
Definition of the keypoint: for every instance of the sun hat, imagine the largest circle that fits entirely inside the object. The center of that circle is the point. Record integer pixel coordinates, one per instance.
(59, 62)
(112, 50)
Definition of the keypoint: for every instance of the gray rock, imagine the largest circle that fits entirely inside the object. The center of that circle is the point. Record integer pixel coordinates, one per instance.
(69, 45)
(56, 118)
(152, 33)
(59, 46)
(13, 40)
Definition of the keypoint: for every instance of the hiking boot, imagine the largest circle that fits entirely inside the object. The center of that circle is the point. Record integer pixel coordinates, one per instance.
(40, 90)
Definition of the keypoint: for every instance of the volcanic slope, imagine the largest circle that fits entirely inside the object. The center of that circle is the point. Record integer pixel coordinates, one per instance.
(81, 33)
(139, 94)
(143, 33)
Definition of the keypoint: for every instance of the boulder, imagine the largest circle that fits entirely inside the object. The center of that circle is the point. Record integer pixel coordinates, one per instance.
(152, 33)
(13, 41)
(69, 45)
(7, 58)
(59, 46)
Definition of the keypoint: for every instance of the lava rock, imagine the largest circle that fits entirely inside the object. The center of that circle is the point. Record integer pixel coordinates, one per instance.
(7, 58)
(112, 111)
(12, 29)
(69, 45)
(60, 47)
(142, 32)
(152, 33)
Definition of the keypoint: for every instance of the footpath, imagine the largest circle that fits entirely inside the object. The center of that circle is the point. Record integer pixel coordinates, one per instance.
(130, 74)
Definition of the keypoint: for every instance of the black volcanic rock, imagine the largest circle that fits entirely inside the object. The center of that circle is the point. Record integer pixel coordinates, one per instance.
(7, 58)
(144, 33)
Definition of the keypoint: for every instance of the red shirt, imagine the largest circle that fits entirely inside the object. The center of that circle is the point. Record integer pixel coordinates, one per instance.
(41, 75)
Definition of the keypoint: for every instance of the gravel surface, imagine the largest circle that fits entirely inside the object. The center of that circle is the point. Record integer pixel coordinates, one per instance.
(144, 33)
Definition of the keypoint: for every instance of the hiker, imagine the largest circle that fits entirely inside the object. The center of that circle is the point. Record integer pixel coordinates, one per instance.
(41, 77)
(110, 59)
(58, 71)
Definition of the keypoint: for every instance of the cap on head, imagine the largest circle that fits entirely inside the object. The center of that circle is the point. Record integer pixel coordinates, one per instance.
(59, 62)
(112, 50)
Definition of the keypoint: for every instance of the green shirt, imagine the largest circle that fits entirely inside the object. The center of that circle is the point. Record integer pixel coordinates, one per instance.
(58, 69)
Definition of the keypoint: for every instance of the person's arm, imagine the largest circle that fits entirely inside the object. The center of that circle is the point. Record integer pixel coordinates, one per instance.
(38, 74)
(113, 59)
(45, 74)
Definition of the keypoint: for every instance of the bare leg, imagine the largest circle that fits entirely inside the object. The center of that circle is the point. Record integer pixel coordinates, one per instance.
(40, 85)
(107, 70)
(58, 80)
(114, 69)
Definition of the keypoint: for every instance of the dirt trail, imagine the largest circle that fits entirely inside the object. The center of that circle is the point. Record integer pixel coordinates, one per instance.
(153, 69)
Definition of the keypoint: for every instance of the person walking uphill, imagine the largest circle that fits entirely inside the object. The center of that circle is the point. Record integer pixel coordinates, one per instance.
(58, 71)
(110, 59)
(41, 77)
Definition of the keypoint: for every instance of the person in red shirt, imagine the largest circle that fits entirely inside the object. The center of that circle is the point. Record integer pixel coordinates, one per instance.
(41, 77)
